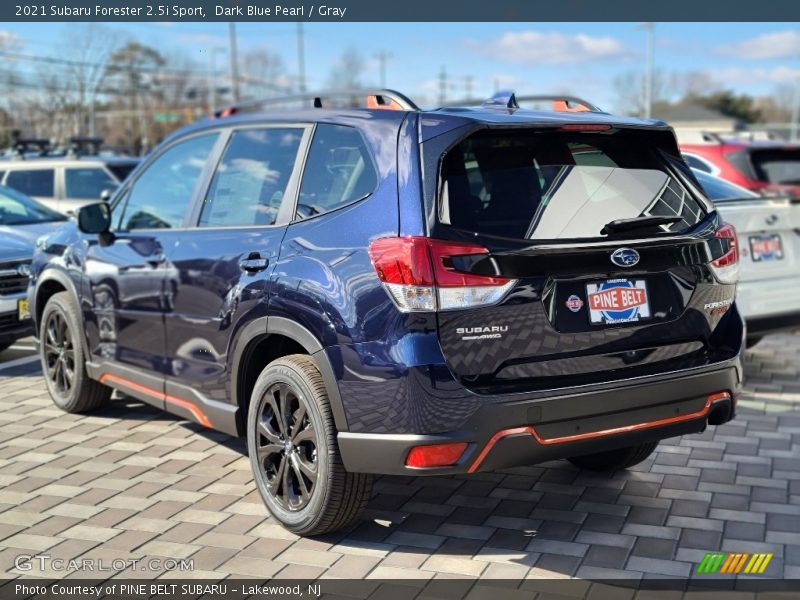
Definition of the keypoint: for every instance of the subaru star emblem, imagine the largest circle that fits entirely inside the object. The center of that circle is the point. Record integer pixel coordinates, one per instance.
(625, 257)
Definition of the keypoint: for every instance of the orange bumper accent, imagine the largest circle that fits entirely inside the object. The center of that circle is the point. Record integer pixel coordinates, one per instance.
(530, 430)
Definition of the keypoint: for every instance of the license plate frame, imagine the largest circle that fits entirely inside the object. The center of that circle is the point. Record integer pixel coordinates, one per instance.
(618, 301)
(766, 253)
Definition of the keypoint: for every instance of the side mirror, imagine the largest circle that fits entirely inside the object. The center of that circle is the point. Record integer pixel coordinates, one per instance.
(94, 218)
(105, 195)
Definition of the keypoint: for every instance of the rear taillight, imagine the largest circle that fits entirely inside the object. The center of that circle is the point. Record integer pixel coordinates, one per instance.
(726, 266)
(419, 274)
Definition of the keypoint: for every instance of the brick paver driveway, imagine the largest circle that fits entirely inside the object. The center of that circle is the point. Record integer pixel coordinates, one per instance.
(130, 482)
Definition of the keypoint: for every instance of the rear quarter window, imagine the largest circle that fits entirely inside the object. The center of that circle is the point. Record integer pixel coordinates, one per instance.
(549, 185)
(339, 170)
(33, 182)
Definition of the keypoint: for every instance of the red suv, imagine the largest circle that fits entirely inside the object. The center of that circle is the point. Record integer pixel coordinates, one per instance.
(763, 166)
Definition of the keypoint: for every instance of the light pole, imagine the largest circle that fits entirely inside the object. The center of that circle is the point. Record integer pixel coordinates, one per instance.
(301, 58)
(647, 92)
(233, 61)
(212, 78)
(382, 57)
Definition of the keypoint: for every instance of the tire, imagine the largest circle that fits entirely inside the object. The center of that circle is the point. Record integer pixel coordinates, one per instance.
(61, 351)
(614, 460)
(292, 386)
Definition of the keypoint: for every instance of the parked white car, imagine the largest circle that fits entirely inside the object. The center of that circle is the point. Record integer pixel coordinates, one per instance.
(768, 295)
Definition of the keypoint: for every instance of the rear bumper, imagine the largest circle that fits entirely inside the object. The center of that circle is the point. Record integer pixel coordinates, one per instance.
(768, 298)
(528, 432)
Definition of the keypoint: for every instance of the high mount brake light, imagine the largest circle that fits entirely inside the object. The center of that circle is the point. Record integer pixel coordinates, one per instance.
(584, 127)
(419, 275)
(726, 267)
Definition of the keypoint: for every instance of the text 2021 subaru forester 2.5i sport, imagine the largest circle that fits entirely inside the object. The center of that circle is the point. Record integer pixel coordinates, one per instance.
(362, 291)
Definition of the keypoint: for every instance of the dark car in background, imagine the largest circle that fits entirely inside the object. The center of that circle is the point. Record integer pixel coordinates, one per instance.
(392, 290)
(22, 222)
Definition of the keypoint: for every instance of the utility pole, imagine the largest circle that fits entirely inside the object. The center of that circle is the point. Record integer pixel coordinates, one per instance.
(234, 61)
(212, 80)
(647, 92)
(382, 57)
(795, 109)
(301, 58)
(468, 87)
(442, 86)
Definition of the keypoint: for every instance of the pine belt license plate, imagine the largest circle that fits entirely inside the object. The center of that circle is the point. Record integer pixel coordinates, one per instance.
(617, 301)
(22, 310)
(766, 247)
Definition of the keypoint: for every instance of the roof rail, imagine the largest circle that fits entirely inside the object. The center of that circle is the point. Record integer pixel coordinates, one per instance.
(563, 102)
(83, 145)
(377, 99)
(21, 146)
(511, 101)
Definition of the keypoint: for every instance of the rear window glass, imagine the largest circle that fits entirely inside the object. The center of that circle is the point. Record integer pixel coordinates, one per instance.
(34, 182)
(719, 189)
(778, 165)
(556, 185)
(87, 183)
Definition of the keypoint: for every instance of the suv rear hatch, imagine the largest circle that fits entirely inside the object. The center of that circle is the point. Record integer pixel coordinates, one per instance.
(589, 248)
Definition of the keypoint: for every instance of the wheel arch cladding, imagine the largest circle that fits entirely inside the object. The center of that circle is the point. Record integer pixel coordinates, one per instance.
(267, 339)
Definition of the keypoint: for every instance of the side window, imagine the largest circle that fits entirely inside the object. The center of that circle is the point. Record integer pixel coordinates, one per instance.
(250, 182)
(696, 163)
(161, 194)
(2, 173)
(34, 182)
(339, 170)
(87, 183)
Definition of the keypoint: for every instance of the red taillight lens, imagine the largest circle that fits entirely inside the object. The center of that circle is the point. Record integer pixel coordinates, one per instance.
(435, 455)
(402, 260)
(418, 270)
(726, 267)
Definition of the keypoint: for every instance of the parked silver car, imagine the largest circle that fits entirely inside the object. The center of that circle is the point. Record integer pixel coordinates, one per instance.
(65, 184)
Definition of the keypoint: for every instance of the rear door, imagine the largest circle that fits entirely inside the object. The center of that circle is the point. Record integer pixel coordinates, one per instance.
(588, 297)
(216, 281)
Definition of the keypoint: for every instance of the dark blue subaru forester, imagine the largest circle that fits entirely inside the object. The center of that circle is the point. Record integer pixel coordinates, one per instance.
(390, 290)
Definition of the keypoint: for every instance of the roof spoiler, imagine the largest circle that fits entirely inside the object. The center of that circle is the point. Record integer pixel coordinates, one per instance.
(384, 99)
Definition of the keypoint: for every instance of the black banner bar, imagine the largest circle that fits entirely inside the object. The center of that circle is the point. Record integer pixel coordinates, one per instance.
(405, 10)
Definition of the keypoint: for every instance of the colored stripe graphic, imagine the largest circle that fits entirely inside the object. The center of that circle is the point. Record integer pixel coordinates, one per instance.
(733, 563)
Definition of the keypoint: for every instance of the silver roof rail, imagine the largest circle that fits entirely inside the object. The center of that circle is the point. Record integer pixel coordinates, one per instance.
(571, 102)
(381, 97)
(511, 101)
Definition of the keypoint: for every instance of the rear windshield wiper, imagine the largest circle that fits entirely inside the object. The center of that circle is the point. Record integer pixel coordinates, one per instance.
(637, 223)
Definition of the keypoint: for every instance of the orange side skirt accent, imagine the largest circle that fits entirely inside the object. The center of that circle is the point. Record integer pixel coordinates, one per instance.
(108, 378)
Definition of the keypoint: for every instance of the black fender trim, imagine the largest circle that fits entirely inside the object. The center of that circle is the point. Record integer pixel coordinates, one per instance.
(295, 331)
(266, 326)
(62, 278)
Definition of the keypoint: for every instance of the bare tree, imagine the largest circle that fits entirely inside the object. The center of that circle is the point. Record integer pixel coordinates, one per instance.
(347, 71)
(263, 73)
(88, 47)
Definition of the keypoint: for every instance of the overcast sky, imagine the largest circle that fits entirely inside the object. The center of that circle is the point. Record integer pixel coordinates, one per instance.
(580, 58)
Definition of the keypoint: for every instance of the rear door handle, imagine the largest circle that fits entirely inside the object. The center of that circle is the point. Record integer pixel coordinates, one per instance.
(253, 263)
